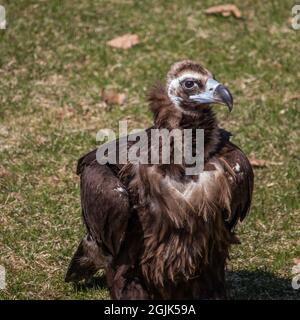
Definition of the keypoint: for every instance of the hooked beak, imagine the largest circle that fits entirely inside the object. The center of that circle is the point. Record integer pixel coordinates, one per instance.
(214, 93)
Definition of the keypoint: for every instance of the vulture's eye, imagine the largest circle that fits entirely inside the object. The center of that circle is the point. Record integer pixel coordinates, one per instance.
(189, 84)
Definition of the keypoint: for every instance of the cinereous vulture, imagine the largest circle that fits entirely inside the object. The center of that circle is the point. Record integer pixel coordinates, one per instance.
(157, 232)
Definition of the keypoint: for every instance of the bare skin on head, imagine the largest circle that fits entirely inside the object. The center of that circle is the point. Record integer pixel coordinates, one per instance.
(192, 87)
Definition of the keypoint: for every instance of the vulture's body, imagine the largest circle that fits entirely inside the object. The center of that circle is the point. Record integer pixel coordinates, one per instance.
(157, 232)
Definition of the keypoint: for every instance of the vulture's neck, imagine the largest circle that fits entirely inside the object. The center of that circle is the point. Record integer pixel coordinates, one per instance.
(168, 116)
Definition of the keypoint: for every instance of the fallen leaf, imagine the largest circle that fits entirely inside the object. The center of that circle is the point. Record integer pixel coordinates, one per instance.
(225, 9)
(65, 112)
(260, 163)
(4, 173)
(54, 180)
(296, 260)
(113, 97)
(289, 97)
(226, 13)
(124, 42)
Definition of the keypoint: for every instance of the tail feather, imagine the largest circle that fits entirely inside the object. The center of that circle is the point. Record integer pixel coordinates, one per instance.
(87, 260)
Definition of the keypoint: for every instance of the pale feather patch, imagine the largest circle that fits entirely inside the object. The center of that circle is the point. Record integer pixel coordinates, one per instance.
(210, 191)
(175, 84)
(120, 189)
(237, 167)
(179, 205)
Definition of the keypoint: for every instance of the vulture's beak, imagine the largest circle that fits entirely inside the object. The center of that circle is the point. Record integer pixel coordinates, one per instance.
(214, 93)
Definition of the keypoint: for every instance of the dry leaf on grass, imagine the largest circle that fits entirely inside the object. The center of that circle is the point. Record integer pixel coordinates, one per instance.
(124, 42)
(113, 97)
(289, 97)
(260, 163)
(54, 179)
(65, 113)
(4, 173)
(225, 9)
(296, 260)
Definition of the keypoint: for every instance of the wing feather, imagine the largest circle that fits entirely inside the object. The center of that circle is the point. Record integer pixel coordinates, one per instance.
(242, 184)
(105, 204)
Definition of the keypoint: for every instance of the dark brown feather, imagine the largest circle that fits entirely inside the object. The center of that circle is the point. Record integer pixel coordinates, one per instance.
(167, 235)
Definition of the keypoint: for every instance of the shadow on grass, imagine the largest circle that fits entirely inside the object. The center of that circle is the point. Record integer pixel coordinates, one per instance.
(97, 283)
(242, 285)
(259, 285)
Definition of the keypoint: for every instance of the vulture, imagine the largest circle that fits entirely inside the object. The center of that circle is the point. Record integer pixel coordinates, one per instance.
(158, 232)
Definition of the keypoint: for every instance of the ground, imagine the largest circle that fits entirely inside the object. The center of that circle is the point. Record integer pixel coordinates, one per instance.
(54, 62)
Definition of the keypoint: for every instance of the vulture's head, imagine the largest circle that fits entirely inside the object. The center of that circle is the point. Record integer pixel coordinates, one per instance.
(191, 87)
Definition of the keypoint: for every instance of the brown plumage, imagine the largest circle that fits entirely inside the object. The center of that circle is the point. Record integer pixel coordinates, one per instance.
(157, 232)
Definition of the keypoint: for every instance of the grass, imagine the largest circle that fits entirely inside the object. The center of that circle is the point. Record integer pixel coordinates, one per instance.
(54, 62)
